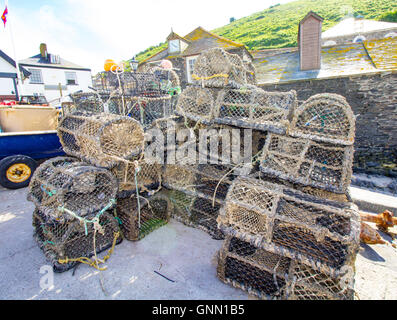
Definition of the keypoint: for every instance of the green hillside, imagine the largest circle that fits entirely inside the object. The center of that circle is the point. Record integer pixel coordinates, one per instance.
(277, 26)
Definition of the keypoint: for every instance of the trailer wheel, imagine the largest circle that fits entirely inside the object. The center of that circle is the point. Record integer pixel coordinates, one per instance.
(16, 171)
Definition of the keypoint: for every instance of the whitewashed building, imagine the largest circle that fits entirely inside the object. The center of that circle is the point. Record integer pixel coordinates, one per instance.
(8, 77)
(53, 76)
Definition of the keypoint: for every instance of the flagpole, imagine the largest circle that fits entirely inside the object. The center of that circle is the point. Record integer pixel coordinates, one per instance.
(19, 80)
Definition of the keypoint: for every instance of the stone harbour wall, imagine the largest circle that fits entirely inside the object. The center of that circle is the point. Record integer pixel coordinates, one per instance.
(373, 98)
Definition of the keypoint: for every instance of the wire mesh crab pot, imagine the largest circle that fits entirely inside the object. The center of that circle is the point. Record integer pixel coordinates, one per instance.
(324, 117)
(63, 242)
(139, 174)
(138, 220)
(256, 109)
(317, 232)
(318, 164)
(217, 68)
(65, 183)
(197, 211)
(202, 179)
(101, 139)
(269, 275)
(168, 140)
(197, 103)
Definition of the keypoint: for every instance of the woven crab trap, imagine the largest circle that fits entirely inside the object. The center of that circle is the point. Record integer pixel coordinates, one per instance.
(324, 117)
(64, 183)
(203, 179)
(256, 109)
(101, 139)
(154, 82)
(140, 219)
(197, 211)
(315, 192)
(197, 103)
(169, 140)
(320, 233)
(65, 244)
(139, 174)
(318, 164)
(272, 276)
(217, 68)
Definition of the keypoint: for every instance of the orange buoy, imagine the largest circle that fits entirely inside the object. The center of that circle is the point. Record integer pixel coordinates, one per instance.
(110, 65)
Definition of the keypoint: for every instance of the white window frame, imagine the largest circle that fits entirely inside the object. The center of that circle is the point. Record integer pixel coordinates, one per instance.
(178, 49)
(37, 78)
(189, 68)
(69, 78)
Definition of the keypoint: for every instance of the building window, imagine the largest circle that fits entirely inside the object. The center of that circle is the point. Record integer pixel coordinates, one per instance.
(35, 76)
(190, 65)
(71, 78)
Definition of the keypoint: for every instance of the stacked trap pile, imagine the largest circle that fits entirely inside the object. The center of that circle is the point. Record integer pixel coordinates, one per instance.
(223, 99)
(292, 231)
(81, 201)
(72, 221)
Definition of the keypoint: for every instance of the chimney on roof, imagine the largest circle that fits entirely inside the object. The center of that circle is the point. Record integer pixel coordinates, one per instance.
(309, 41)
(43, 50)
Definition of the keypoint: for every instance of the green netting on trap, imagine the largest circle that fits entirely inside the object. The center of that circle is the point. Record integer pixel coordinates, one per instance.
(138, 220)
(324, 117)
(65, 183)
(269, 275)
(196, 211)
(256, 109)
(217, 68)
(69, 240)
(318, 164)
(148, 109)
(321, 233)
(101, 139)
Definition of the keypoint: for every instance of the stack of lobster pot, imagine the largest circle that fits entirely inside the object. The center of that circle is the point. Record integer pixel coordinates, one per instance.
(228, 117)
(75, 196)
(292, 230)
(197, 180)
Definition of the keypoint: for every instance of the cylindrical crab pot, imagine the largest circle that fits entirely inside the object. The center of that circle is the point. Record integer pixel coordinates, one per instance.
(197, 103)
(324, 117)
(64, 184)
(101, 139)
(217, 68)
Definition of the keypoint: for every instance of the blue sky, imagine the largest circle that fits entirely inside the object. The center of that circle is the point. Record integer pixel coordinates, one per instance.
(87, 32)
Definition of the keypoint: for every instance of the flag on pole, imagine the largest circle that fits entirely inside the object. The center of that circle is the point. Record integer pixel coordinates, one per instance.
(4, 16)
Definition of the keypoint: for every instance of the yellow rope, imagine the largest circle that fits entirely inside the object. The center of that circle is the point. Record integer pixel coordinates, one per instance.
(195, 77)
(91, 262)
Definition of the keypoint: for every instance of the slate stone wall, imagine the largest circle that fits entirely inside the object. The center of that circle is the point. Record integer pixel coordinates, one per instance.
(373, 98)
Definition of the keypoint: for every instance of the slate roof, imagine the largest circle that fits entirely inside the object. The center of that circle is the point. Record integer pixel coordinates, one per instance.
(336, 61)
(11, 61)
(39, 61)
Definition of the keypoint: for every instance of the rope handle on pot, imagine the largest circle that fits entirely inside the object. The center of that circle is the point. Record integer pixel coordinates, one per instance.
(95, 220)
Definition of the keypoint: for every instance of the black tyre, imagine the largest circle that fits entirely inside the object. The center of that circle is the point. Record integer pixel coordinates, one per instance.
(16, 171)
